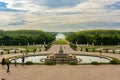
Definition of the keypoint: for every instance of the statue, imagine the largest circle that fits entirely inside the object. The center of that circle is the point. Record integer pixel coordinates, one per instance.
(61, 50)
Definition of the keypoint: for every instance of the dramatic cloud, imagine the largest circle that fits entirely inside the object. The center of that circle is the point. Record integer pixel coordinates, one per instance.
(61, 15)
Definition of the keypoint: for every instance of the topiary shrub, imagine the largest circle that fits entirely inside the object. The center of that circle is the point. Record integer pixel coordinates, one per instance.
(29, 63)
(95, 63)
(72, 63)
(49, 63)
(47, 46)
(86, 49)
(114, 61)
(113, 51)
(93, 49)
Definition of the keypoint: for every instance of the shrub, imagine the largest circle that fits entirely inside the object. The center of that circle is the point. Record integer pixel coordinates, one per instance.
(49, 63)
(81, 49)
(47, 46)
(72, 63)
(86, 49)
(73, 46)
(106, 50)
(94, 63)
(8, 52)
(113, 51)
(93, 49)
(114, 61)
(29, 63)
(15, 51)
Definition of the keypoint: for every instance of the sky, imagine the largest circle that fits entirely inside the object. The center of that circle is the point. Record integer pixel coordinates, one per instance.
(59, 15)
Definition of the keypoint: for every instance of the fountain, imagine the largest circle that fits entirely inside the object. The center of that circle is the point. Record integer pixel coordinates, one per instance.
(61, 57)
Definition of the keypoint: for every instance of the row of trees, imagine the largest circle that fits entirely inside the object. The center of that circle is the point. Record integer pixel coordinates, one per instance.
(25, 37)
(98, 37)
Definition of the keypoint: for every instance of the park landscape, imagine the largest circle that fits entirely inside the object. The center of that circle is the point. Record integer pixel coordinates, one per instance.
(71, 43)
(59, 40)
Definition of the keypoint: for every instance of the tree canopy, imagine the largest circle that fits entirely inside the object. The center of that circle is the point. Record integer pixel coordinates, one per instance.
(98, 37)
(23, 37)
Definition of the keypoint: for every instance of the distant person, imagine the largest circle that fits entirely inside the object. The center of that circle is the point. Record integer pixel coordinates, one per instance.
(15, 61)
(3, 61)
(23, 60)
(100, 52)
(8, 66)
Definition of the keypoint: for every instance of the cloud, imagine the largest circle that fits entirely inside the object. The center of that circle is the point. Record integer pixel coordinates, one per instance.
(61, 3)
(18, 22)
(62, 15)
(115, 6)
(3, 8)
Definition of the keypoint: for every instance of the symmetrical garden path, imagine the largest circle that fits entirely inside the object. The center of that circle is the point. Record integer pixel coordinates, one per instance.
(55, 49)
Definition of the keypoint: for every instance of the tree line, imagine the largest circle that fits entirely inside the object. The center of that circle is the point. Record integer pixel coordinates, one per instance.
(25, 37)
(96, 37)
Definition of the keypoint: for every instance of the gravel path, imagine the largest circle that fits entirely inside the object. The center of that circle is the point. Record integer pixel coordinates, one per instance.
(62, 72)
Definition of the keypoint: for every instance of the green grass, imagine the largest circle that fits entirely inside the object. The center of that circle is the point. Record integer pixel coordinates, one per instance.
(26, 48)
(63, 42)
(95, 48)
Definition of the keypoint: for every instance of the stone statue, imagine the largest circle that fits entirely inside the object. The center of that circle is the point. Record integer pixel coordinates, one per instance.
(61, 50)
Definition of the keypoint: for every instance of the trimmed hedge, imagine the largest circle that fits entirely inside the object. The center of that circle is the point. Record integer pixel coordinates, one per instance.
(95, 63)
(72, 63)
(73, 46)
(47, 46)
(114, 61)
(29, 63)
(49, 63)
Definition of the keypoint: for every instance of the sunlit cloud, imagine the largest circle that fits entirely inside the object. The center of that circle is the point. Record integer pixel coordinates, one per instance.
(63, 15)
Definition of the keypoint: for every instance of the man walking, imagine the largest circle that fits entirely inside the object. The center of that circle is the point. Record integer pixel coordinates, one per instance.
(8, 66)
(23, 60)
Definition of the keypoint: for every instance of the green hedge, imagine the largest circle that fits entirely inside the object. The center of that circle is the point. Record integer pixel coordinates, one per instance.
(72, 63)
(114, 61)
(73, 46)
(95, 63)
(48, 46)
(49, 63)
(29, 63)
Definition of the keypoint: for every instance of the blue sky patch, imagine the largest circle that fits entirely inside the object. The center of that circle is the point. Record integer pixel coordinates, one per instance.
(114, 6)
(3, 8)
(61, 3)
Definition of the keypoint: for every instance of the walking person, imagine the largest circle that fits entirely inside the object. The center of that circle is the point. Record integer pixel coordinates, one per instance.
(15, 61)
(23, 60)
(3, 62)
(8, 66)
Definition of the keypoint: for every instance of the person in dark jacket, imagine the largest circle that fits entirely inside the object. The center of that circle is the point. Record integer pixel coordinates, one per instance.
(23, 60)
(8, 66)
(3, 61)
(15, 61)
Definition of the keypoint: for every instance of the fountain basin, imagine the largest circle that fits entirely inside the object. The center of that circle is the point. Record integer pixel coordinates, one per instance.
(92, 58)
(81, 59)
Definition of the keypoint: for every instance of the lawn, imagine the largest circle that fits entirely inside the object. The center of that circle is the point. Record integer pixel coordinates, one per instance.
(63, 42)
